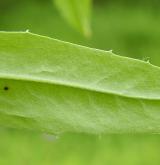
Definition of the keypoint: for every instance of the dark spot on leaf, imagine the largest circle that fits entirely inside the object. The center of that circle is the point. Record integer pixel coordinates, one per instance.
(6, 88)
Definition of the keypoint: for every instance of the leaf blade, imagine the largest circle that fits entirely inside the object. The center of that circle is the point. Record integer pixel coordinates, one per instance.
(77, 13)
(61, 87)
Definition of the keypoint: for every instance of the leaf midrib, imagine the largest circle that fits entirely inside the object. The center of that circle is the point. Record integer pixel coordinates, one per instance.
(69, 85)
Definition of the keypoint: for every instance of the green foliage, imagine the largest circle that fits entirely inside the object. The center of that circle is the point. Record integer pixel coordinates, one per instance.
(54, 86)
(77, 13)
(130, 28)
(78, 149)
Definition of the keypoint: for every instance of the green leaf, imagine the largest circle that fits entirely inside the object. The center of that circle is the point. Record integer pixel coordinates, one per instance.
(77, 13)
(54, 86)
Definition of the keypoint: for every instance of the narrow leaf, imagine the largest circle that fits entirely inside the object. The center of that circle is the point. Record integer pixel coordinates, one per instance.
(77, 13)
(54, 86)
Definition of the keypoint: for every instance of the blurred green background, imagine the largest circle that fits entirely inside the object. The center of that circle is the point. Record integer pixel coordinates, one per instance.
(129, 28)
